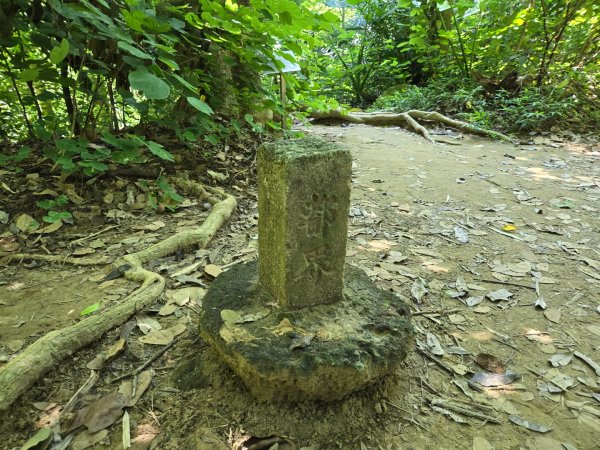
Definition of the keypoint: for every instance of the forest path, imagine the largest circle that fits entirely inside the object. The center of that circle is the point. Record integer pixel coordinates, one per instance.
(472, 236)
(477, 233)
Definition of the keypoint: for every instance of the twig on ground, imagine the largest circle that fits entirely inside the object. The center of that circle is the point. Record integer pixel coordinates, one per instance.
(154, 357)
(84, 389)
(97, 233)
(507, 283)
(441, 364)
(459, 409)
(504, 233)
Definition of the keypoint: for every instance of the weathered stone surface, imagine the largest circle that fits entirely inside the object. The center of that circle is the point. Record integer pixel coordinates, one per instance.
(324, 352)
(300, 324)
(304, 197)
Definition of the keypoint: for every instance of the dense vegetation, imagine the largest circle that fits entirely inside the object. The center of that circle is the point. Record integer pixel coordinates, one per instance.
(87, 77)
(520, 65)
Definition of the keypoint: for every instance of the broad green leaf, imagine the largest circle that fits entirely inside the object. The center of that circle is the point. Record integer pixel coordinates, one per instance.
(90, 309)
(132, 20)
(133, 51)
(185, 83)
(200, 105)
(29, 75)
(231, 6)
(59, 52)
(96, 166)
(330, 17)
(285, 17)
(153, 87)
(55, 216)
(169, 62)
(158, 150)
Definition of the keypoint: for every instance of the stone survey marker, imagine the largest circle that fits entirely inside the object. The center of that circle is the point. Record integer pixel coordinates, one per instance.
(304, 197)
(300, 324)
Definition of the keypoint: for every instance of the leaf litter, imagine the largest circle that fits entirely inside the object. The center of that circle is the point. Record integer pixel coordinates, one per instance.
(430, 249)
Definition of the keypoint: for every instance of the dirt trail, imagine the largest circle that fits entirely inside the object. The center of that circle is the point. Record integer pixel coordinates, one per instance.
(422, 200)
(445, 227)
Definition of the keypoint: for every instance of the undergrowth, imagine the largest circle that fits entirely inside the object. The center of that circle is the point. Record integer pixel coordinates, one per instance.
(529, 109)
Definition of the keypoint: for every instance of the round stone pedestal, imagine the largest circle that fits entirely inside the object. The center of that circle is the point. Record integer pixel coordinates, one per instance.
(322, 352)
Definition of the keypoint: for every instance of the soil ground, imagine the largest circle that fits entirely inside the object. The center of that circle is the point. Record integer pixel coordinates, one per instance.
(472, 236)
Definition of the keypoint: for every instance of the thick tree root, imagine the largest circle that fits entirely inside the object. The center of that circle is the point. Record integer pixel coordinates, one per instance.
(25, 369)
(410, 119)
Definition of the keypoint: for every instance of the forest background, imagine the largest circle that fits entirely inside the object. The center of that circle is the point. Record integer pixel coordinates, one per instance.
(94, 83)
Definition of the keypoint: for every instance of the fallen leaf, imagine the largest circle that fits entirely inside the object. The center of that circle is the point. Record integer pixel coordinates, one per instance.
(301, 341)
(84, 251)
(213, 270)
(480, 443)
(235, 334)
(50, 228)
(217, 175)
(26, 223)
(553, 315)
(474, 301)
(15, 345)
(154, 226)
(282, 328)
(434, 345)
(101, 413)
(549, 349)
(456, 319)
(230, 317)
(419, 289)
(39, 441)
(529, 425)
(490, 363)
(144, 433)
(461, 234)
(143, 382)
(545, 443)
(500, 294)
(160, 337)
(86, 439)
(395, 257)
(168, 309)
(560, 359)
(146, 324)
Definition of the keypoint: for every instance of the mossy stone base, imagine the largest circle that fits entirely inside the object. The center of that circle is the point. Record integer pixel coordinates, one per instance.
(323, 352)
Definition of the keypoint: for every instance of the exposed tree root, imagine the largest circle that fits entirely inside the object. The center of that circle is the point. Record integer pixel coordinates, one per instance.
(410, 119)
(25, 369)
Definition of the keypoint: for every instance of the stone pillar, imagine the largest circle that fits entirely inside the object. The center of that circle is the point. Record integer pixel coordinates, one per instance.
(303, 203)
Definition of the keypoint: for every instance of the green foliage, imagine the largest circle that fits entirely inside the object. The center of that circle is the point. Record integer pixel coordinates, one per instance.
(412, 97)
(456, 56)
(91, 68)
(531, 109)
(164, 196)
(54, 208)
(21, 155)
(89, 309)
(74, 155)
